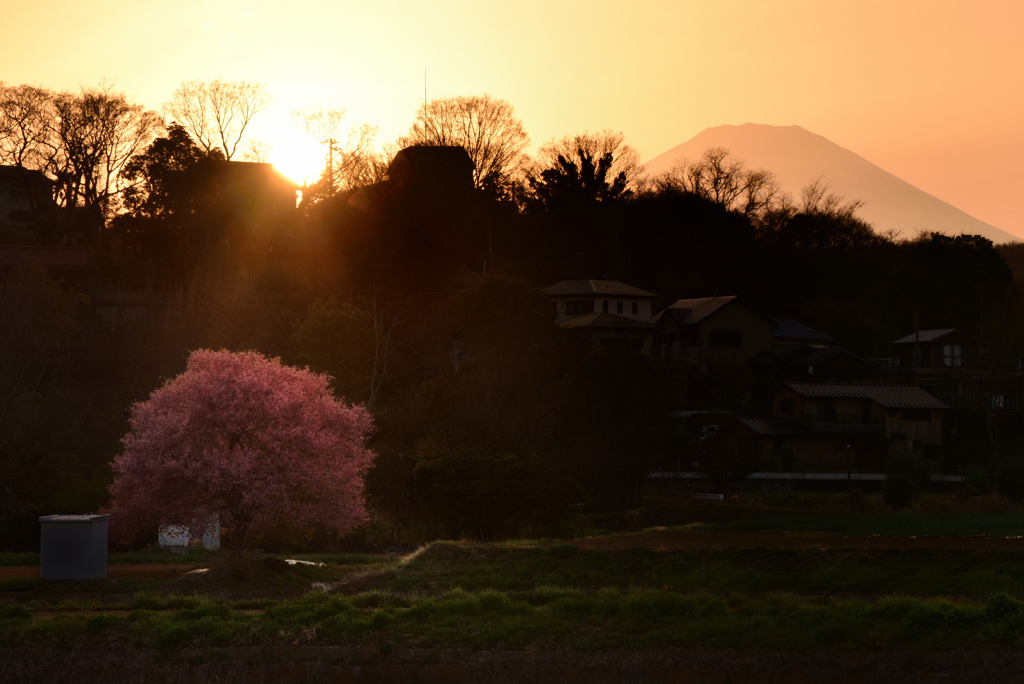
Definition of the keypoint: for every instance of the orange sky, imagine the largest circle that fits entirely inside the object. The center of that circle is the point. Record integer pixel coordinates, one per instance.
(930, 91)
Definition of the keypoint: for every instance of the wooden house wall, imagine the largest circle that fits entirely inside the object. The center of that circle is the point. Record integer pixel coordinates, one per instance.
(929, 432)
(757, 335)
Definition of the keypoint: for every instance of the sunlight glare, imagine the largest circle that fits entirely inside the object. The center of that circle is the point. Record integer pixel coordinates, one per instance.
(298, 157)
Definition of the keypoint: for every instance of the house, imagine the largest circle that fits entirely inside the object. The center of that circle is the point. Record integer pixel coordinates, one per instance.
(940, 349)
(839, 427)
(573, 298)
(952, 368)
(605, 313)
(431, 167)
(714, 332)
(26, 204)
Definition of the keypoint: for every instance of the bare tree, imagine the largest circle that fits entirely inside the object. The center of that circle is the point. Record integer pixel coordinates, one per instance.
(726, 180)
(817, 199)
(486, 127)
(95, 133)
(350, 161)
(625, 159)
(387, 315)
(26, 116)
(257, 150)
(216, 113)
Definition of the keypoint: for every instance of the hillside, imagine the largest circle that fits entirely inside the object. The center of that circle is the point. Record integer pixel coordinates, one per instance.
(798, 157)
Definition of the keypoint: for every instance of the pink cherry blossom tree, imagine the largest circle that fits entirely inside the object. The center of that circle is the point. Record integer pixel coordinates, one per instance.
(245, 438)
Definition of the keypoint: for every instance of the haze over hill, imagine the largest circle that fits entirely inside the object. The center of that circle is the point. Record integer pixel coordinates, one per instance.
(799, 157)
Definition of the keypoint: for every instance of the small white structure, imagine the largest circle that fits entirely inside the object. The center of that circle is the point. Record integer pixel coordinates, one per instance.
(176, 536)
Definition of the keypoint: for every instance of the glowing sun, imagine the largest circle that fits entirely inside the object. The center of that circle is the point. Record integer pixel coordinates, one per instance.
(298, 157)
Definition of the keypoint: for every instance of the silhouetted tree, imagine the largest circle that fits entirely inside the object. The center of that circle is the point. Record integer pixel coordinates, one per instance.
(725, 180)
(26, 126)
(96, 132)
(484, 126)
(216, 113)
(625, 159)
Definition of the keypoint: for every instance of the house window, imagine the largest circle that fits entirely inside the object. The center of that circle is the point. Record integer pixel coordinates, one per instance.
(635, 312)
(953, 355)
(618, 307)
(827, 410)
(916, 415)
(918, 445)
(788, 407)
(578, 308)
(725, 338)
(604, 306)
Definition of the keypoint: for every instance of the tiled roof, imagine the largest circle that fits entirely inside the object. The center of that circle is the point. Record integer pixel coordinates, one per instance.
(606, 320)
(889, 396)
(612, 288)
(928, 335)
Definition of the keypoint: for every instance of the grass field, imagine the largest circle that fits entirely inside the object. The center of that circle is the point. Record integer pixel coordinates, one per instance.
(887, 524)
(493, 597)
(521, 595)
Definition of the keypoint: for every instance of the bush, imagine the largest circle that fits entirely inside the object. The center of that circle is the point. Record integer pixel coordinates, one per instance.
(905, 465)
(898, 491)
(968, 491)
(858, 501)
(980, 483)
(1011, 481)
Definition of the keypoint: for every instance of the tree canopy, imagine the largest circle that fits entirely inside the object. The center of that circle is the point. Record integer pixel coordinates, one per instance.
(244, 437)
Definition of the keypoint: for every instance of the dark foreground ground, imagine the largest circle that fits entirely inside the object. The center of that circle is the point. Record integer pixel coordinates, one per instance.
(841, 599)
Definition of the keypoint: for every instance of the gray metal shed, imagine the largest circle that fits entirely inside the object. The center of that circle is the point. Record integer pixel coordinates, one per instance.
(73, 547)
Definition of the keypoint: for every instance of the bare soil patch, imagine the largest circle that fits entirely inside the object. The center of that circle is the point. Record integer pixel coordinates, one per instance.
(670, 540)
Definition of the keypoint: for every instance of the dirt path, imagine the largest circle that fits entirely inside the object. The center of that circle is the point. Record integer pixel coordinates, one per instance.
(147, 570)
(669, 540)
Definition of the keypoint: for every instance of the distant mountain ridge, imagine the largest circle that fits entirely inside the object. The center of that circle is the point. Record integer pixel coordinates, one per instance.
(798, 157)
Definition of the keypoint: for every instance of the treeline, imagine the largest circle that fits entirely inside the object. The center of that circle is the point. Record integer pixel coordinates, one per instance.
(419, 295)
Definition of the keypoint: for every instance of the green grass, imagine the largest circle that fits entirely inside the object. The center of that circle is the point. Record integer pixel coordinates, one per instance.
(886, 524)
(914, 572)
(551, 617)
(13, 559)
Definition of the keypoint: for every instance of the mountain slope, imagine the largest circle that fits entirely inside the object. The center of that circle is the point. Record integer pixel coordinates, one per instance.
(799, 157)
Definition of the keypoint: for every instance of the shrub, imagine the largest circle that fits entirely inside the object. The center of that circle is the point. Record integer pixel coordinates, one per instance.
(898, 491)
(980, 483)
(968, 491)
(905, 465)
(858, 501)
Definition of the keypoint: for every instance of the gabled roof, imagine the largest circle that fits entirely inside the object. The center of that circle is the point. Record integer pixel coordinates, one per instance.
(36, 255)
(791, 330)
(606, 320)
(611, 288)
(930, 335)
(692, 311)
(888, 396)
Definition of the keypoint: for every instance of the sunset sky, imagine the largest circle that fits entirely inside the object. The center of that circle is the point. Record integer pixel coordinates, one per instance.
(932, 91)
